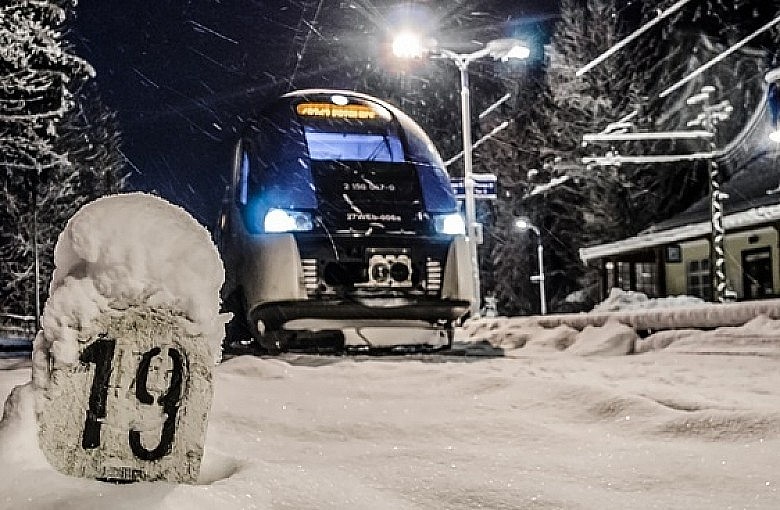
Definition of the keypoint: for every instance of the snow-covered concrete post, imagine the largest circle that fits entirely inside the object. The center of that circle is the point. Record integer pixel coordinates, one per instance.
(122, 369)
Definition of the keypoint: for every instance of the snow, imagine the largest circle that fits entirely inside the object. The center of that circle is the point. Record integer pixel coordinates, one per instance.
(580, 415)
(551, 430)
(127, 250)
(543, 426)
(620, 299)
(541, 188)
(632, 309)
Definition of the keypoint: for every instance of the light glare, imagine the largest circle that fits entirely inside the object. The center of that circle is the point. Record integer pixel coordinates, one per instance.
(280, 220)
(451, 224)
(775, 136)
(407, 45)
(517, 51)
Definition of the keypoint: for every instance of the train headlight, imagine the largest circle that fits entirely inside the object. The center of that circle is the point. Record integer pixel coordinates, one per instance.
(282, 220)
(452, 224)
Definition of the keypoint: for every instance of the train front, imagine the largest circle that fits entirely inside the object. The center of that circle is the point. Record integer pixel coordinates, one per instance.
(345, 220)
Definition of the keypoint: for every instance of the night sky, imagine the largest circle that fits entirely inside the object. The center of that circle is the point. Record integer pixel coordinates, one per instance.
(183, 76)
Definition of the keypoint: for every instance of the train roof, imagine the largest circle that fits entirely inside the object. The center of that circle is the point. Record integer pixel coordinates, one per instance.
(318, 93)
(334, 92)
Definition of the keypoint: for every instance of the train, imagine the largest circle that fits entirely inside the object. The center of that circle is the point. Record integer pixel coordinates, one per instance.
(339, 216)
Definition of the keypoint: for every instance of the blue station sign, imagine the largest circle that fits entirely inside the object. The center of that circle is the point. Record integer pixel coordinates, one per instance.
(485, 187)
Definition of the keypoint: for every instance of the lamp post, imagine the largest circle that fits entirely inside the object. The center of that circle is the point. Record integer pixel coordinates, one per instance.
(408, 45)
(523, 224)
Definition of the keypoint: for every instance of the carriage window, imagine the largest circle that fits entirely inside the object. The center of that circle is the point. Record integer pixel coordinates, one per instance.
(243, 178)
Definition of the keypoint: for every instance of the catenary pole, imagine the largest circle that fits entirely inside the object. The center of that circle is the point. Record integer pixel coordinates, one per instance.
(708, 119)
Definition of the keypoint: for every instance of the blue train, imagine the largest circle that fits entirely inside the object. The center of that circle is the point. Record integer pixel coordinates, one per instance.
(339, 214)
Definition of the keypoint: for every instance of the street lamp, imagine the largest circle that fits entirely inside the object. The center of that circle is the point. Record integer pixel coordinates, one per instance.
(408, 45)
(523, 224)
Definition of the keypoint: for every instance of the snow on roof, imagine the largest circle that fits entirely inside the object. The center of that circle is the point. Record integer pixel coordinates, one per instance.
(749, 218)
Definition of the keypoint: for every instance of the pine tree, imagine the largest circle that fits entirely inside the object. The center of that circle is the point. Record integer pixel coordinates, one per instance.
(573, 205)
(630, 80)
(697, 34)
(89, 136)
(38, 77)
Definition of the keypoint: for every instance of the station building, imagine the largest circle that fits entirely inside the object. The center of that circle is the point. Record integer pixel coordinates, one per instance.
(673, 257)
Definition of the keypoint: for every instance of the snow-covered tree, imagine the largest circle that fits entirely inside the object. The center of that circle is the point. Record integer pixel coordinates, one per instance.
(89, 136)
(601, 204)
(693, 37)
(38, 79)
(573, 205)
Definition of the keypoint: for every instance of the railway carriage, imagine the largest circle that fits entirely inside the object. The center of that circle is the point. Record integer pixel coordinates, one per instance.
(339, 215)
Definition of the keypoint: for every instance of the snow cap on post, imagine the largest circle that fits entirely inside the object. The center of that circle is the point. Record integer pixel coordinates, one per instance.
(131, 331)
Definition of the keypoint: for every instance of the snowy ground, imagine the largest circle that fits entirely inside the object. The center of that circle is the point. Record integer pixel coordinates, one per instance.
(538, 428)
(560, 417)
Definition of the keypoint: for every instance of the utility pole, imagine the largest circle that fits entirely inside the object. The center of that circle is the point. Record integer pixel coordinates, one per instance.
(708, 119)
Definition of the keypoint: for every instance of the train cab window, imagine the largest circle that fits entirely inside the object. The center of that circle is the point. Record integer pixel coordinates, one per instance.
(351, 132)
(325, 146)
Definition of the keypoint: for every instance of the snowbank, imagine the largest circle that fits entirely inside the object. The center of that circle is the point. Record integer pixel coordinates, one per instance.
(682, 324)
(611, 339)
(619, 299)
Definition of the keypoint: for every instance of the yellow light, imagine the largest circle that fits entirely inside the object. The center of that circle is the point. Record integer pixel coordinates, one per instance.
(334, 111)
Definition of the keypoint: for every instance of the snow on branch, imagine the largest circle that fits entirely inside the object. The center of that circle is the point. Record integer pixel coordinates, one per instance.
(720, 57)
(548, 186)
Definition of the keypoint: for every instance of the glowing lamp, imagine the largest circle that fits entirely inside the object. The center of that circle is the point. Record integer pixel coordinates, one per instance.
(408, 45)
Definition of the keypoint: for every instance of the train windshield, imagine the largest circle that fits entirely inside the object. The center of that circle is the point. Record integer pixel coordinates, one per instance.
(350, 132)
